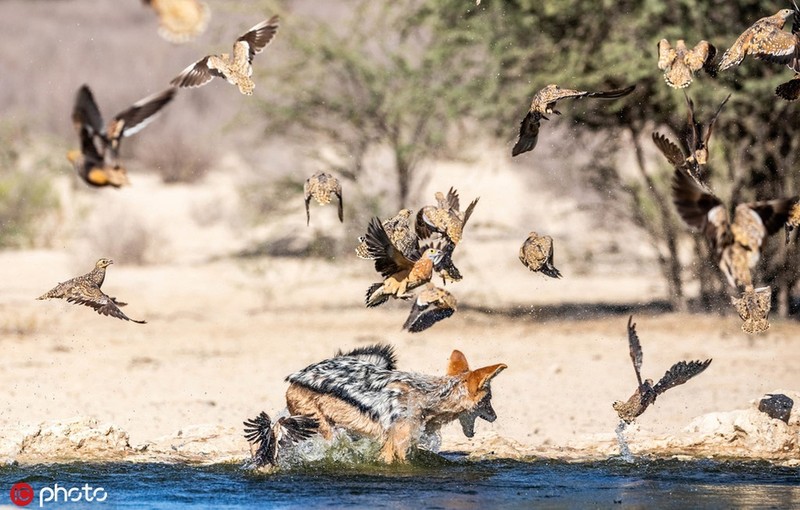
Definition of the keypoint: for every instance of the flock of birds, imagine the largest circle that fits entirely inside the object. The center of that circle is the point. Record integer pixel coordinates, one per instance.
(736, 243)
(409, 249)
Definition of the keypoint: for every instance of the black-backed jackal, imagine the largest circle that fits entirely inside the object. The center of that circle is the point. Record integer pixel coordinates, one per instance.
(362, 392)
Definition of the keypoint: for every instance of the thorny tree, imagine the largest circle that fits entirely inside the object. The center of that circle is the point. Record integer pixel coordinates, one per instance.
(593, 45)
(367, 86)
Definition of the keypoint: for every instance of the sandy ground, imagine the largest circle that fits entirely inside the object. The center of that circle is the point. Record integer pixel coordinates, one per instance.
(223, 332)
(222, 336)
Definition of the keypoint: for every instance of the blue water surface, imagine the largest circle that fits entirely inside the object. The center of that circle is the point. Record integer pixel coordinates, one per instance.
(455, 484)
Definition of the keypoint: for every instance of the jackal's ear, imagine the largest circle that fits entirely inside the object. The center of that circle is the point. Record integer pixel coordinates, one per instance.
(479, 379)
(458, 363)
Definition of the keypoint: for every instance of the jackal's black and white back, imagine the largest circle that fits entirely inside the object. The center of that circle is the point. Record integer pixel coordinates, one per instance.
(377, 354)
(366, 379)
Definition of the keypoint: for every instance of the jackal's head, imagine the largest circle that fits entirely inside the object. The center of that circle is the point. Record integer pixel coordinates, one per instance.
(479, 392)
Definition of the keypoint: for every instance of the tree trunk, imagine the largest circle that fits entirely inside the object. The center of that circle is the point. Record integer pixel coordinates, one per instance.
(670, 264)
(403, 179)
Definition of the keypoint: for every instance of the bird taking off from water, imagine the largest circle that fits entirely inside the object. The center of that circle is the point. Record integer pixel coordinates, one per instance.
(646, 392)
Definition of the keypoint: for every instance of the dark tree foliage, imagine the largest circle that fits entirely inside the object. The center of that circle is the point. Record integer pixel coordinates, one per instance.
(598, 44)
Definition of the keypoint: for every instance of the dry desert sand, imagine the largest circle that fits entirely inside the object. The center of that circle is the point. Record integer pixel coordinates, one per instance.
(223, 332)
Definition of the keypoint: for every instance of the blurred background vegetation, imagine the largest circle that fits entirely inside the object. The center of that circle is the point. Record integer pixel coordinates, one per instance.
(416, 76)
(430, 81)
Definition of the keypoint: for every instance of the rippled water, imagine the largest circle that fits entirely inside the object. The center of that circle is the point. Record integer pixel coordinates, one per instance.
(452, 483)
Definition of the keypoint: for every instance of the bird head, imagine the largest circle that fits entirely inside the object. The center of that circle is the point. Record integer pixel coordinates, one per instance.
(785, 14)
(103, 263)
(435, 254)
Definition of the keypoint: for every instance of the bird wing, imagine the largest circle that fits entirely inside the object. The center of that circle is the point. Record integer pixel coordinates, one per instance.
(468, 212)
(91, 154)
(420, 320)
(293, 429)
(679, 373)
(528, 133)
(734, 55)
(772, 44)
(695, 128)
(672, 152)
(710, 128)
(635, 349)
(90, 295)
(741, 306)
(531, 253)
(790, 91)
(421, 303)
(693, 202)
(763, 297)
(307, 198)
(137, 116)
(552, 95)
(258, 432)
(338, 192)
(197, 74)
(258, 37)
(452, 200)
(774, 213)
(389, 259)
(665, 54)
(431, 306)
(86, 114)
(606, 94)
(699, 56)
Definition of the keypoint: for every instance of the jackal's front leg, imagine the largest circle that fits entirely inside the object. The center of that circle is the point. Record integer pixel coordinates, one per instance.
(395, 447)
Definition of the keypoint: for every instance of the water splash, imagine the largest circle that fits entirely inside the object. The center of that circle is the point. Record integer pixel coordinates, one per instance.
(342, 450)
(624, 451)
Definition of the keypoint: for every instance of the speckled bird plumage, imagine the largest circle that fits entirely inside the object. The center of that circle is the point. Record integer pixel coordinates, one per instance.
(322, 187)
(646, 392)
(736, 245)
(765, 40)
(445, 217)
(400, 232)
(536, 253)
(753, 308)
(235, 68)
(97, 161)
(679, 63)
(180, 21)
(85, 290)
(402, 272)
(431, 305)
(544, 103)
